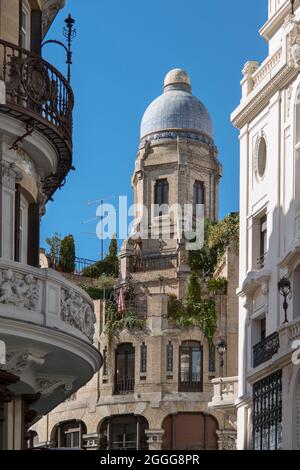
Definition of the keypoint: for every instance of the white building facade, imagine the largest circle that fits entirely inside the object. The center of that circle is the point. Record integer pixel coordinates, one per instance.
(269, 121)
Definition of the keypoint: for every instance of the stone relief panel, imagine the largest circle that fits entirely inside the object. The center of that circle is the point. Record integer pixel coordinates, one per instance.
(20, 290)
(77, 312)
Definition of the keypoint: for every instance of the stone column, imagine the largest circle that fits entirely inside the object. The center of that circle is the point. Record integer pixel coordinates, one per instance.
(155, 438)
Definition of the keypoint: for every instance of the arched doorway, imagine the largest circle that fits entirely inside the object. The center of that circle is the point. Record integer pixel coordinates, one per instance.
(69, 434)
(190, 431)
(124, 432)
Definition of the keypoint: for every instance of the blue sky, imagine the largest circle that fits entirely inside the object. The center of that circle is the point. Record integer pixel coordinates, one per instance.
(121, 54)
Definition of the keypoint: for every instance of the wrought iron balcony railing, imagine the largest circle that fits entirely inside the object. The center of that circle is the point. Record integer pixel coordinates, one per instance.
(155, 263)
(124, 386)
(75, 266)
(266, 349)
(190, 383)
(39, 95)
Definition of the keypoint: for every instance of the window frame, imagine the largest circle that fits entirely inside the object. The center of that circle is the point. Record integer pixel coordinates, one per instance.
(161, 197)
(190, 385)
(25, 30)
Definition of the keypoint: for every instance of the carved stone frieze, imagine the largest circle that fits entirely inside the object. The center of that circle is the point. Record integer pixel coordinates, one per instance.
(21, 290)
(227, 440)
(294, 44)
(77, 312)
(10, 175)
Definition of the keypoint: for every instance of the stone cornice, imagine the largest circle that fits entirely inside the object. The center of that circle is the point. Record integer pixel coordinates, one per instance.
(276, 21)
(248, 111)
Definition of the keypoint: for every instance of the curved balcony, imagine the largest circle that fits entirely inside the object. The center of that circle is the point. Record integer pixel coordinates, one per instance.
(37, 94)
(46, 324)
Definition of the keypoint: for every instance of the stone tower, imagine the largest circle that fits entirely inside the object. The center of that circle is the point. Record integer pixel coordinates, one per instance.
(155, 387)
(176, 167)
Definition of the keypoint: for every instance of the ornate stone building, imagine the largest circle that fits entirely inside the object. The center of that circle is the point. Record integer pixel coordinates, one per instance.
(268, 118)
(155, 389)
(46, 322)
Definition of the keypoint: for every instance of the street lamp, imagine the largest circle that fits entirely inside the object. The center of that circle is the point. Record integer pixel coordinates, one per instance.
(284, 287)
(293, 6)
(221, 347)
(69, 33)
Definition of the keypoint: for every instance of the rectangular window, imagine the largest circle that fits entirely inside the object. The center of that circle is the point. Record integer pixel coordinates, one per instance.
(143, 358)
(105, 365)
(190, 367)
(212, 358)
(25, 25)
(263, 329)
(198, 195)
(161, 197)
(267, 413)
(263, 241)
(170, 357)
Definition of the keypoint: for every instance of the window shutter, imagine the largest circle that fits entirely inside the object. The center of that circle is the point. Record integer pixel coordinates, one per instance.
(34, 235)
(36, 31)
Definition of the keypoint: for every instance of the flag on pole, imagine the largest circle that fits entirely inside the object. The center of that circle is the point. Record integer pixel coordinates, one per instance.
(121, 304)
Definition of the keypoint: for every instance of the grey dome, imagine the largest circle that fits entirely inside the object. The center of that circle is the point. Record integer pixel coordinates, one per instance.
(177, 110)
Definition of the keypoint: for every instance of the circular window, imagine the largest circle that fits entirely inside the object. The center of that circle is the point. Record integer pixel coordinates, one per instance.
(261, 157)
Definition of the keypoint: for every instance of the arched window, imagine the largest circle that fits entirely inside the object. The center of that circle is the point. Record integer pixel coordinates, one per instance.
(191, 367)
(124, 432)
(70, 434)
(125, 369)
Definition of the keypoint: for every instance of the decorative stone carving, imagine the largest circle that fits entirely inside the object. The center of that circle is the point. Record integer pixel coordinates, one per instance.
(20, 290)
(10, 175)
(77, 312)
(227, 440)
(294, 44)
(46, 385)
(50, 10)
(18, 361)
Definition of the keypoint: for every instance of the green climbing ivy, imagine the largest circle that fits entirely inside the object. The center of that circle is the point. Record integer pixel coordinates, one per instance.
(217, 237)
(196, 311)
(114, 324)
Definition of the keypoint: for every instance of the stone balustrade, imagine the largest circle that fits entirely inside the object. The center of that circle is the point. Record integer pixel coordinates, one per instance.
(45, 298)
(225, 392)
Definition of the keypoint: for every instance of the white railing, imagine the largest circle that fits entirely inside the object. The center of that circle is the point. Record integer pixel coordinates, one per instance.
(225, 392)
(44, 297)
(294, 331)
(266, 68)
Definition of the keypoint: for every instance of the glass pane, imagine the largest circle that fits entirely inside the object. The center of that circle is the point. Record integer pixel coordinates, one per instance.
(196, 365)
(121, 365)
(75, 439)
(130, 365)
(185, 365)
(68, 440)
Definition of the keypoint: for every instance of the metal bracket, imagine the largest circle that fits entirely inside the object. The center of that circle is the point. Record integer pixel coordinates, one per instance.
(30, 126)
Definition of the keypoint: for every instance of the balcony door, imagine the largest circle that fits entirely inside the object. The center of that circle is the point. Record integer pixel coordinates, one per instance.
(190, 367)
(125, 369)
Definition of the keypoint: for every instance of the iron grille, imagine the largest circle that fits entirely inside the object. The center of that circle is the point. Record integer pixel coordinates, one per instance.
(267, 413)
